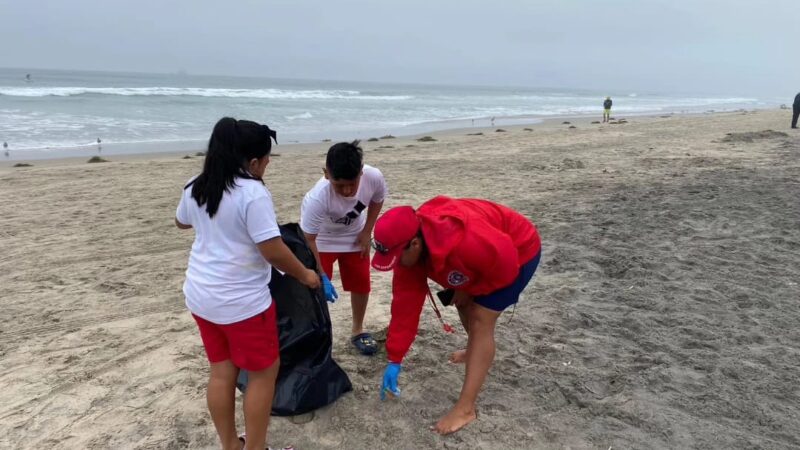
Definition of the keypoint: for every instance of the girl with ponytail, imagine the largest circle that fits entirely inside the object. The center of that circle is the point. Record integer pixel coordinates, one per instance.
(237, 241)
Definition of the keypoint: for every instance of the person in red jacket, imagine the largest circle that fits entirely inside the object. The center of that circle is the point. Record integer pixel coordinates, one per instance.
(483, 252)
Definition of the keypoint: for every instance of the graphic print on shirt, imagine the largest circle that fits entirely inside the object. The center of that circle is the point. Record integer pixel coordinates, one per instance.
(352, 215)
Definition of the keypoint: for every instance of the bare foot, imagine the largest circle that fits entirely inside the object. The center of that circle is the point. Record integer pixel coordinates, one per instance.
(458, 357)
(455, 420)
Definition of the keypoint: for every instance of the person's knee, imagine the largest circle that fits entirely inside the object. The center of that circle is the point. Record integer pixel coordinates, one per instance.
(264, 374)
(224, 370)
(482, 319)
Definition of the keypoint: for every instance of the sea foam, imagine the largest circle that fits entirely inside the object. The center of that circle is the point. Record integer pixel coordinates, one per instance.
(194, 92)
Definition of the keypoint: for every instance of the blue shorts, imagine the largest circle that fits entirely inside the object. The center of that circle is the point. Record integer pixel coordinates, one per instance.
(509, 295)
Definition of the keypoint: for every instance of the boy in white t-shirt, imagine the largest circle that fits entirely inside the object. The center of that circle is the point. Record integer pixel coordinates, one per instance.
(337, 217)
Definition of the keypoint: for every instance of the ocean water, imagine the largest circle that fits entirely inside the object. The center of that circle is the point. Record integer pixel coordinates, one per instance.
(55, 111)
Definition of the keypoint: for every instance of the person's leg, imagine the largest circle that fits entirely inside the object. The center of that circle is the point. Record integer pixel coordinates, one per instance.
(479, 358)
(220, 398)
(795, 115)
(327, 260)
(354, 271)
(358, 303)
(255, 348)
(460, 356)
(481, 316)
(221, 381)
(258, 405)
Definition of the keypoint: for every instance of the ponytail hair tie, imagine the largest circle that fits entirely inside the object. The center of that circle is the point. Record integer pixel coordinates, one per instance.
(272, 133)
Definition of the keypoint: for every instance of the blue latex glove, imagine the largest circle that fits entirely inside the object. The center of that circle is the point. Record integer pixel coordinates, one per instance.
(390, 380)
(327, 288)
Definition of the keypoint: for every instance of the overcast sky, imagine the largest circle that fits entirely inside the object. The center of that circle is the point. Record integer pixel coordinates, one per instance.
(715, 46)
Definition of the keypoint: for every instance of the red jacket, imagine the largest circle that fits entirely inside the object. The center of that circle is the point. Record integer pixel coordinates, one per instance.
(473, 245)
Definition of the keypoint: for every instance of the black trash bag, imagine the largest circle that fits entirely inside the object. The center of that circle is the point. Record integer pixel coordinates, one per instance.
(308, 378)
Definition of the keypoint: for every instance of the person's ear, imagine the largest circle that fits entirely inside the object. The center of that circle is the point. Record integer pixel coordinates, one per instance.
(253, 165)
(325, 172)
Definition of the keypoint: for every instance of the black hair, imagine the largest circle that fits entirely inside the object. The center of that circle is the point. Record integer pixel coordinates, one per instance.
(233, 144)
(345, 160)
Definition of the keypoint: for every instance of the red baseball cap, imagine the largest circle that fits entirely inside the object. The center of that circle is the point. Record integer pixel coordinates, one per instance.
(393, 231)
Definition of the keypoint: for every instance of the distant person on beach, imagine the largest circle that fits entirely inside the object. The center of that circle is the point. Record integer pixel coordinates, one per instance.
(237, 240)
(483, 253)
(5, 148)
(607, 109)
(492, 121)
(795, 110)
(337, 217)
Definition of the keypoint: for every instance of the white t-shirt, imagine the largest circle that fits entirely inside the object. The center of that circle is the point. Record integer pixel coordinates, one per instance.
(337, 220)
(227, 278)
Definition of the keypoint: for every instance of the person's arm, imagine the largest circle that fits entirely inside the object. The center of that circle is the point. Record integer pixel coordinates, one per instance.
(311, 240)
(365, 236)
(182, 215)
(311, 217)
(379, 193)
(409, 286)
(262, 226)
(278, 254)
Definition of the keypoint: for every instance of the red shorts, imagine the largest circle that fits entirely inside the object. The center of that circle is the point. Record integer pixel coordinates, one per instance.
(251, 344)
(353, 269)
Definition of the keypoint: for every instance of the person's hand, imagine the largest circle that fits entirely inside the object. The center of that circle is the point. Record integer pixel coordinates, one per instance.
(390, 380)
(311, 279)
(328, 289)
(364, 242)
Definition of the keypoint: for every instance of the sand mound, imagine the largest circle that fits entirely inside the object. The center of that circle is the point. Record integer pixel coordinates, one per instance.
(751, 136)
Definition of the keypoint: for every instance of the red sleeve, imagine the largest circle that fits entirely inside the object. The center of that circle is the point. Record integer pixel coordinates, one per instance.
(491, 257)
(409, 286)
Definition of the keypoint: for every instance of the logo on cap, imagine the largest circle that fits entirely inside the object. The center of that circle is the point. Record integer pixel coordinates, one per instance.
(456, 278)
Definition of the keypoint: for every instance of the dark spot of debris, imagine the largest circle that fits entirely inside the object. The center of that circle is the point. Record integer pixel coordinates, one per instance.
(751, 136)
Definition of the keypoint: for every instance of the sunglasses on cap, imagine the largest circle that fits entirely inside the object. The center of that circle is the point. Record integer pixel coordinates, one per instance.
(380, 248)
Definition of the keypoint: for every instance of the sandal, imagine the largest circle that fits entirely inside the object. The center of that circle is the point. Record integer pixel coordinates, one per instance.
(242, 436)
(365, 344)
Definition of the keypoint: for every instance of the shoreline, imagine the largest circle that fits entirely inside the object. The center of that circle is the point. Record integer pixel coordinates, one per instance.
(128, 152)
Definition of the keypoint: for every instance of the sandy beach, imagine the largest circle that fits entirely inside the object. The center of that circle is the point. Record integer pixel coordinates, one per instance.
(664, 315)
